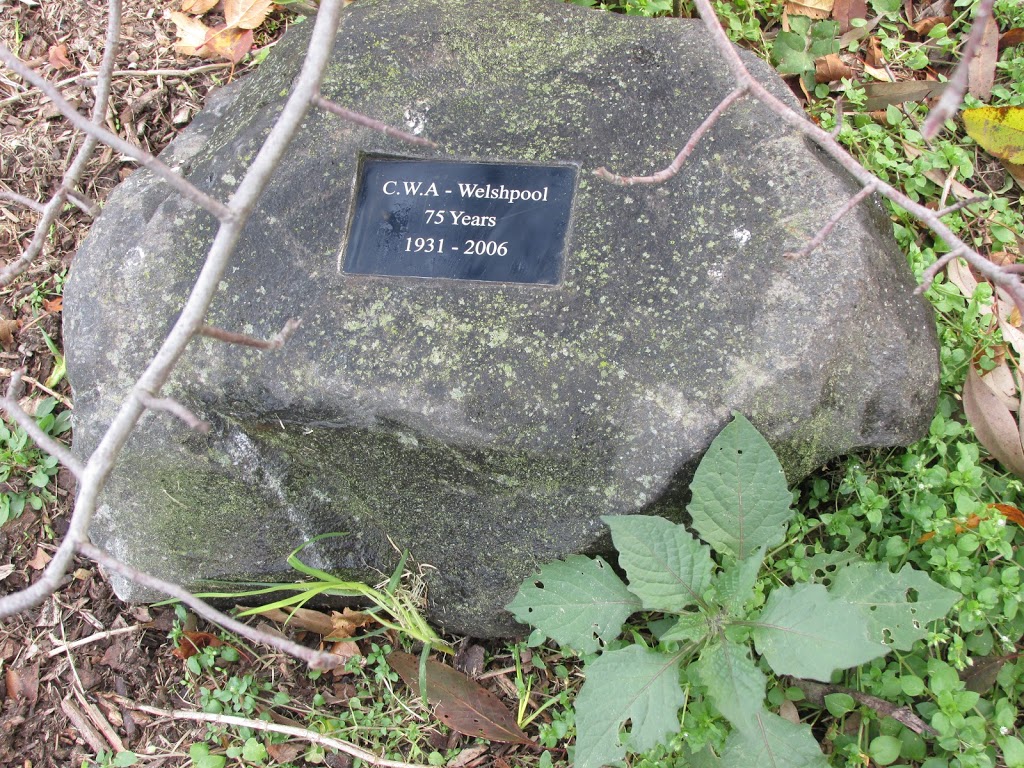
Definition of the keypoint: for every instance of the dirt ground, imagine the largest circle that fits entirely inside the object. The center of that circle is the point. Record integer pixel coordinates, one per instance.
(72, 666)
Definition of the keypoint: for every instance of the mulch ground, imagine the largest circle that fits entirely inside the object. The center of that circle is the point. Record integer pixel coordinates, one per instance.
(71, 664)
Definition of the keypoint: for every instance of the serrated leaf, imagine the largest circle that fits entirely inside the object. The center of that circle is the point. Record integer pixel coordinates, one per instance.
(805, 632)
(734, 584)
(579, 603)
(668, 569)
(883, 598)
(735, 685)
(690, 628)
(772, 742)
(740, 498)
(635, 684)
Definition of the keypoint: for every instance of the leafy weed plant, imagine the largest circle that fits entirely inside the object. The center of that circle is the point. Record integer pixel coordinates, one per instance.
(26, 471)
(702, 653)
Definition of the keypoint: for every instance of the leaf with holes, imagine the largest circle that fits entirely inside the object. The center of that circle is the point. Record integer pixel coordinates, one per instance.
(579, 603)
(806, 632)
(898, 607)
(458, 702)
(740, 498)
(635, 684)
(668, 568)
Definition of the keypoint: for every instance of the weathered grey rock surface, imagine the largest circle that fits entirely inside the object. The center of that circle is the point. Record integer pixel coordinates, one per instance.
(486, 427)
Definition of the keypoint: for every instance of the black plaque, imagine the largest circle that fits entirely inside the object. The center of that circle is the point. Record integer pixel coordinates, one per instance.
(496, 222)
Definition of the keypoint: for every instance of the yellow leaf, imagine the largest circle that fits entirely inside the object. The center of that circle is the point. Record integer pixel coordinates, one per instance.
(229, 43)
(197, 7)
(246, 14)
(192, 33)
(1000, 130)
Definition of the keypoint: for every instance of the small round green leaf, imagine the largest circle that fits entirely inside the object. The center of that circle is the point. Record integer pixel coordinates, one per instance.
(885, 750)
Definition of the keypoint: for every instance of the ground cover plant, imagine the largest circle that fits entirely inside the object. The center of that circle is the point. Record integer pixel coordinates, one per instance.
(943, 506)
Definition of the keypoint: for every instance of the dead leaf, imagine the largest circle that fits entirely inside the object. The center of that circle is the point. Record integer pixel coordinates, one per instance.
(879, 73)
(347, 649)
(58, 57)
(1010, 513)
(924, 26)
(23, 684)
(1011, 38)
(7, 329)
(192, 34)
(845, 10)
(337, 626)
(1016, 170)
(981, 676)
(881, 95)
(54, 305)
(981, 71)
(192, 643)
(6, 570)
(787, 711)
(467, 756)
(228, 43)
(39, 561)
(458, 702)
(873, 54)
(816, 9)
(246, 14)
(993, 423)
(197, 7)
(829, 68)
(285, 753)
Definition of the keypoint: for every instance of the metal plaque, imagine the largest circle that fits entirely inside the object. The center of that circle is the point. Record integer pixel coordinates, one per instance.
(496, 222)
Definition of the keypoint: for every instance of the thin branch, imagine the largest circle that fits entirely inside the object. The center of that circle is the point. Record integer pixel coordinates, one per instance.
(960, 204)
(39, 385)
(84, 204)
(315, 659)
(27, 202)
(951, 98)
(143, 158)
(66, 647)
(824, 232)
(274, 343)
(262, 725)
(368, 122)
(838, 127)
(101, 462)
(673, 167)
(173, 407)
(10, 404)
(99, 111)
(929, 275)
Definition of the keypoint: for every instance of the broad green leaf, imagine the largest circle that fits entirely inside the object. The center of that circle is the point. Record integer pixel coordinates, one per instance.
(635, 684)
(805, 632)
(690, 628)
(884, 600)
(735, 685)
(734, 585)
(772, 742)
(579, 603)
(740, 498)
(668, 569)
(1000, 130)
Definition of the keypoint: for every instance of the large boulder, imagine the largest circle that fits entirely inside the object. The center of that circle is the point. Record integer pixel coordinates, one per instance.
(485, 425)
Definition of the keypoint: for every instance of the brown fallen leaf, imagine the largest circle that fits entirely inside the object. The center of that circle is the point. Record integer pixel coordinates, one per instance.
(881, 95)
(970, 524)
(845, 10)
(285, 753)
(23, 684)
(1016, 170)
(829, 68)
(54, 305)
(192, 643)
(7, 329)
(994, 425)
(1011, 38)
(39, 561)
(229, 43)
(192, 33)
(197, 7)
(246, 14)
(458, 702)
(924, 26)
(1011, 513)
(788, 711)
(337, 626)
(873, 53)
(981, 676)
(347, 649)
(816, 9)
(468, 756)
(58, 56)
(981, 71)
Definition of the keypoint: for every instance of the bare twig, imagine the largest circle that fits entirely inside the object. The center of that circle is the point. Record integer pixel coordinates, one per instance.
(290, 730)
(173, 407)
(101, 462)
(960, 204)
(83, 726)
(838, 127)
(65, 647)
(673, 168)
(27, 202)
(78, 165)
(951, 98)
(824, 232)
(940, 264)
(33, 430)
(274, 343)
(85, 205)
(361, 119)
(315, 659)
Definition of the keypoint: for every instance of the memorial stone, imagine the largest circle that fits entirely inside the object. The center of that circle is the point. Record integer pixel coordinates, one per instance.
(497, 348)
